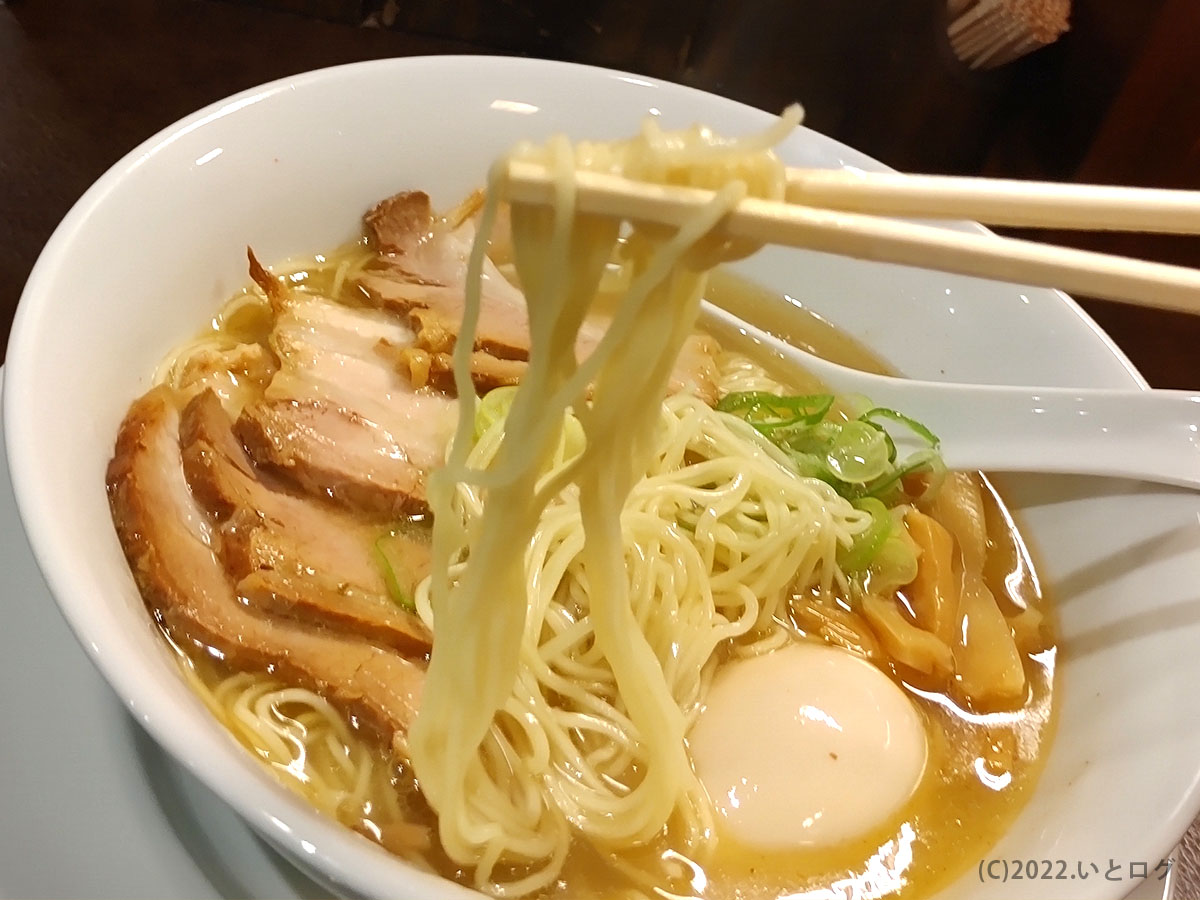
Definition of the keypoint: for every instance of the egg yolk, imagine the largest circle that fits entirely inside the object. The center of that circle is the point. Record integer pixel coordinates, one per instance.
(807, 746)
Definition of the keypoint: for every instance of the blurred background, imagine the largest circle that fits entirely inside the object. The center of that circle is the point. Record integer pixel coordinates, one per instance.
(1115, 99)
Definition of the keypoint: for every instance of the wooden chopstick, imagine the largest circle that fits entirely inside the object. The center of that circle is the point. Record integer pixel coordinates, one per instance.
(877, 238)
(993, 201)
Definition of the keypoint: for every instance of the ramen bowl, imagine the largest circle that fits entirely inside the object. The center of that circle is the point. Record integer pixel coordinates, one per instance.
(149, 252)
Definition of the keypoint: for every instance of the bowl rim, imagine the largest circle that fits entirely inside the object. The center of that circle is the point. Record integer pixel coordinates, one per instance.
(246, 795)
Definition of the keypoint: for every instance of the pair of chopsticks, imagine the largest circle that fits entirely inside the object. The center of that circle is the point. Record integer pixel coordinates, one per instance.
(845, 212)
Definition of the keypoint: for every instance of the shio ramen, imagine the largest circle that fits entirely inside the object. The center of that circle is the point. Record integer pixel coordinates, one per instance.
(478, 541)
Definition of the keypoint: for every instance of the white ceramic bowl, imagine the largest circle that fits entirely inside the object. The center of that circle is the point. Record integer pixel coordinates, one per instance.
(144, 258)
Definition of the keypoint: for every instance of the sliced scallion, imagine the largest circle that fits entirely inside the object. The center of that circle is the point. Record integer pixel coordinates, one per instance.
(859, 555)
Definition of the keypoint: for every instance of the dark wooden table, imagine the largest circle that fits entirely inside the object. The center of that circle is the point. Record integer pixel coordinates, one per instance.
(82, 83)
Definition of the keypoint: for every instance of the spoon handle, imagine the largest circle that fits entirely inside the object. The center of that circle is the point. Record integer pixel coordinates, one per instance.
(1146, 435)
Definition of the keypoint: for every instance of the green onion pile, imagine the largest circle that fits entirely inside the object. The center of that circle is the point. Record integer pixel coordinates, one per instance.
(859, 459)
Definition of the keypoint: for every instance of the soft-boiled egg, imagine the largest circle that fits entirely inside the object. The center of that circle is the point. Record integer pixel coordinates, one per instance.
(807, 746)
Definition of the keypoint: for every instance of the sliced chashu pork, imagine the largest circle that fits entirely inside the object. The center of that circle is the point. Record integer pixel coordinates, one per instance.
(421, 274)
(237, 373)
(437, 370)
(338, 418)
(172, 552)
(291, 556)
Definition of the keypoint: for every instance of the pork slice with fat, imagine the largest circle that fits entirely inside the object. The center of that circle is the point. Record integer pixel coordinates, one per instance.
(170, 549)
(339, 419)
(422, 274)
(290, 556)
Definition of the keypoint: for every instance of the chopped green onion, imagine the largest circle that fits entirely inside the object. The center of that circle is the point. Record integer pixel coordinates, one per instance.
(390, 554)
(858, 458)
(859, 555)
(491, 415)
(895, 565)
(881, 412)
(921, 461)
(771, 412)
(859, 453)
(891, 444)
(493, 408)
